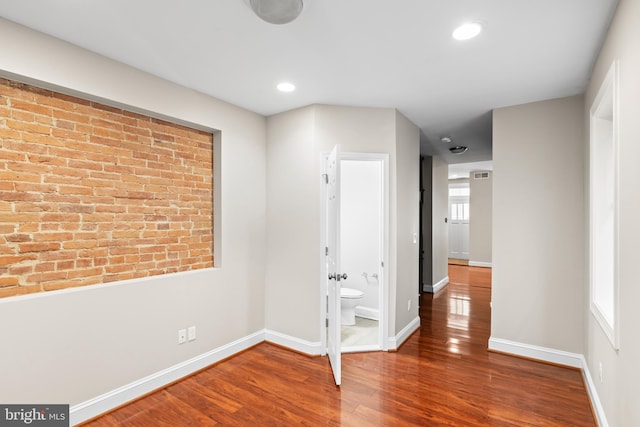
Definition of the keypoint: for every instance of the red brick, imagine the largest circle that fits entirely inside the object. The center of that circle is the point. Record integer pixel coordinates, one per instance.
(14, 196)
(16, 259)
(6, 281)
(60, 217)
(18, 290)
(18, 176)
(45, 277)
(38, 247)
(32, 107)
(44, 267)
(18, 238)
(20, 270)
(21, 218)
(80, 244)
(109, 169)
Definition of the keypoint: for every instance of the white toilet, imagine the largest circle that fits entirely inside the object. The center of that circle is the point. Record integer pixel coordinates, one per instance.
(349, 299)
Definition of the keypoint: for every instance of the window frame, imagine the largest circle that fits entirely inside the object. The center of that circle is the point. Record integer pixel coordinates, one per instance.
(602, 199)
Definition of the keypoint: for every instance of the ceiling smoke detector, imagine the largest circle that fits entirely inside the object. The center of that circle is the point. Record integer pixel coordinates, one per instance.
(277, 11)
(458, 149)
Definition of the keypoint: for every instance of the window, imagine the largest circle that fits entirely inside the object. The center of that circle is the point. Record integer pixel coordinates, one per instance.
(459, 191)
(603, 171)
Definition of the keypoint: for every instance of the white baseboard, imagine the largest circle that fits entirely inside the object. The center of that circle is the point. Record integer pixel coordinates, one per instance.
(545, 354)
(593, 394)
(435, 288)
(558, 357)
(367, 312)
(297, 344)
(480, 264)
(108, 401)
(395, 342)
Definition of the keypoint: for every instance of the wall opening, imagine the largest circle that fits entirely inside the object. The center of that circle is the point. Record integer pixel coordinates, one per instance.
(93, 194)
(603, 186)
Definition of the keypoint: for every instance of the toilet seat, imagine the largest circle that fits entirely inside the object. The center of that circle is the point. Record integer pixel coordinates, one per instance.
(350, 293)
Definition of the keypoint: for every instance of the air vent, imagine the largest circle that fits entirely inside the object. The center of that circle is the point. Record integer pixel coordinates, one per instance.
(481, 175)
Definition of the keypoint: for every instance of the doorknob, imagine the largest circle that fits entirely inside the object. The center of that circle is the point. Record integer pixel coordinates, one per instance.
(337, 276)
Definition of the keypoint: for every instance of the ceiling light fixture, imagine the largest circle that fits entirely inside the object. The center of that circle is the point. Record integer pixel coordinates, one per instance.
(467, 31)
(458, 149)
(446, 139)
(286, 87)
(277, 11)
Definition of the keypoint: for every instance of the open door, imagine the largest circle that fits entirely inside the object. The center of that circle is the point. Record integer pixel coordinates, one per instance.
(333, 263)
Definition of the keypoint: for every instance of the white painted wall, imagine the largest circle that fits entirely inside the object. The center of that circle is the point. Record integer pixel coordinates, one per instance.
(480, 211)
(297, 141)
(538, 224)
(293, 226)
(407, 218)
(619, 391)
(360, 228)
(440, 228)
(72, 345)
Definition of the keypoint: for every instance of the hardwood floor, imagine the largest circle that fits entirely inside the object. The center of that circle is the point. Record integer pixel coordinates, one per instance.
(442, 376)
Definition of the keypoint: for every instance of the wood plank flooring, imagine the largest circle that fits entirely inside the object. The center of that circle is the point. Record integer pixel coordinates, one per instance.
(442, 376)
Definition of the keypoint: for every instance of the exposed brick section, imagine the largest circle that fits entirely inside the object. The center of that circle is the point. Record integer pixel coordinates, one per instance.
(92, 194)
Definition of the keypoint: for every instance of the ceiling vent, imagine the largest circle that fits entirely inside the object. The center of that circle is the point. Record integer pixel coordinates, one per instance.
(481, 175)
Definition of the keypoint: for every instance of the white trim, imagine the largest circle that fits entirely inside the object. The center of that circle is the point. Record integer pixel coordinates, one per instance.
(367, 312)
(395, 342)
(435, 288)
(360, 348)
(384, 298)
(293, 343)
(608, 88)
(574, 360)
(480, 264)
(545, 354)
(593, 395)
(81, 289)
(110, 400)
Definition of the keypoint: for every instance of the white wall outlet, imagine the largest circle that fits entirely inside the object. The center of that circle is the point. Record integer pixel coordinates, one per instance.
(182, 336)
(409, 305)
(191, 333)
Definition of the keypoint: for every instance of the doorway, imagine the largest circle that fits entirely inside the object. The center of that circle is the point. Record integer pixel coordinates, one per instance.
(362, 248)
(459, 221)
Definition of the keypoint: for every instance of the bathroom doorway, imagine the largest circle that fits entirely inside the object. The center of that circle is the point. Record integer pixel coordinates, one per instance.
(363, 244)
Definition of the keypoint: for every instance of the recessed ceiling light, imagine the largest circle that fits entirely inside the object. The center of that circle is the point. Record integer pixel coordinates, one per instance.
(286, 87)
(467, 31)
(446, 139)
(458, 149)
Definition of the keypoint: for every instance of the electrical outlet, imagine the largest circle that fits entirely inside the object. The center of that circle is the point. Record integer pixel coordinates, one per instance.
(191, 333)
(409, 305)
(182, 336)
(600, 371)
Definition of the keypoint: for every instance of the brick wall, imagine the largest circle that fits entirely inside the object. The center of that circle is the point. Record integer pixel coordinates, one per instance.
(93, 194)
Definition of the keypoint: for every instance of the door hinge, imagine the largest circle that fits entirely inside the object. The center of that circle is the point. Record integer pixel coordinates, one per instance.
(326, 251)
(326, 322)
(325, 177)
(382, 264)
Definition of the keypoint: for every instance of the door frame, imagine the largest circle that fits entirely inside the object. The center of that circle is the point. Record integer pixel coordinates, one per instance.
(383, 322)
(458, 199)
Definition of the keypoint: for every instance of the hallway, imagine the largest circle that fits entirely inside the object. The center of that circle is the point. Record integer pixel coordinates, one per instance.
(442, 376)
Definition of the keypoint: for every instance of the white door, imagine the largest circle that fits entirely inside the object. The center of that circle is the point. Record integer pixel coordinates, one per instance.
(333, 263)
(459, 227)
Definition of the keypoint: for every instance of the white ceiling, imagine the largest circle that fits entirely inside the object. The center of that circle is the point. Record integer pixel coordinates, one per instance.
(378, 53)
